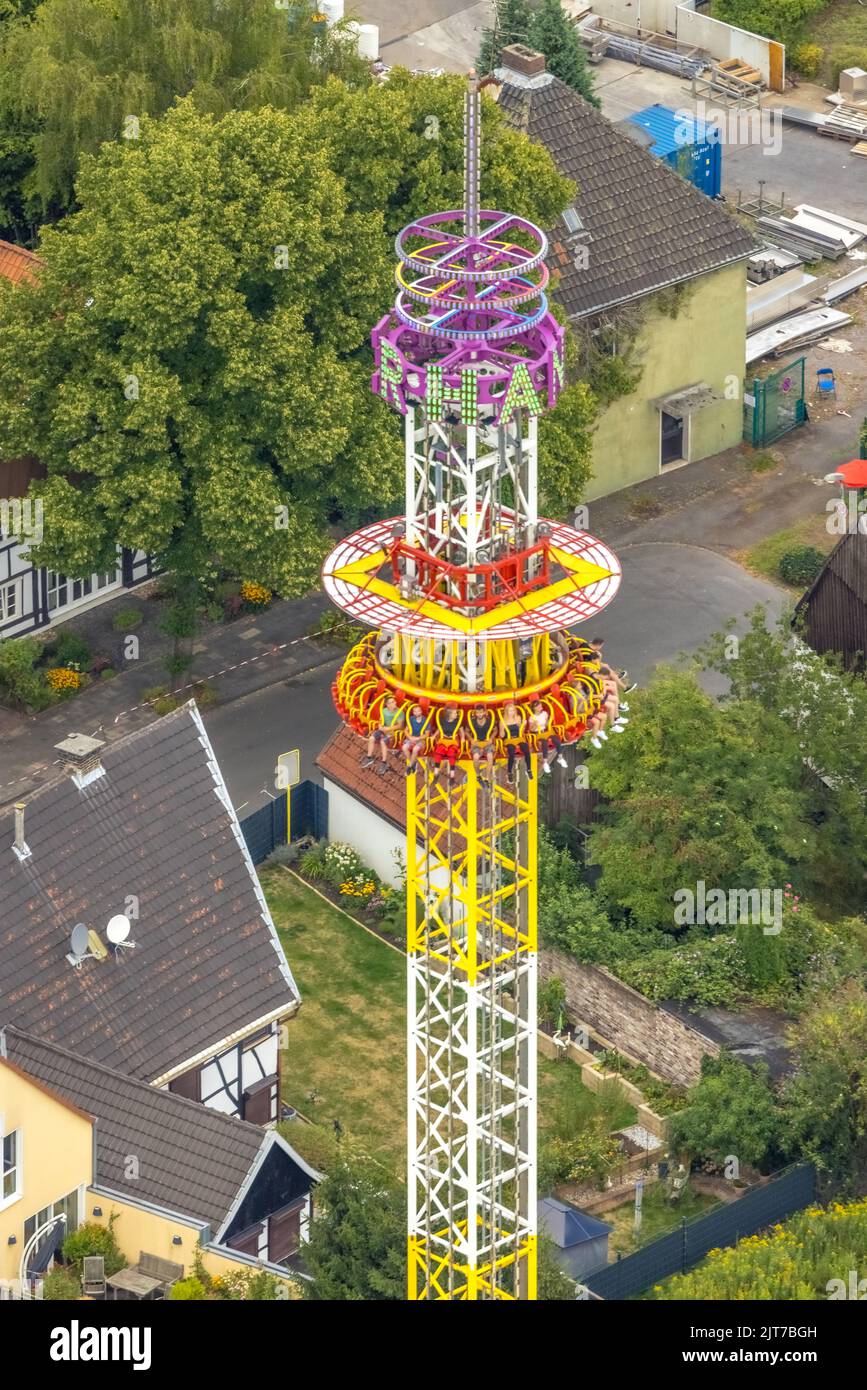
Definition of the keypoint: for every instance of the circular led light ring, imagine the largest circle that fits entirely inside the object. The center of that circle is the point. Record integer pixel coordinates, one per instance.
(453, 246)
(480, 335)
(439, 296)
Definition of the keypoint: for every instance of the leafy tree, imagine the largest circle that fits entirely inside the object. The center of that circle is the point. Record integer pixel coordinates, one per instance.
(511, 25)
(699, 793)
(732, 1110)
(554, 34)
(81, 69)
(826, 1100)
(819, 711)
(553, 1283)
(193, 366)
(357, 1246)
(775, 19)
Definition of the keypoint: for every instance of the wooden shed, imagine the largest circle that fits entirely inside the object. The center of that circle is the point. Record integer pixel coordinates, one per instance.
(833, 611)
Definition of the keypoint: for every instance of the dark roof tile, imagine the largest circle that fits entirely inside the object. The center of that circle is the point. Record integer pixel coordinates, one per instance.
(644, 226)
(206, 962)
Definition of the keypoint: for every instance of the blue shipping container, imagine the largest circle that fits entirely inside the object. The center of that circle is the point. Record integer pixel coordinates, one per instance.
(686, 144)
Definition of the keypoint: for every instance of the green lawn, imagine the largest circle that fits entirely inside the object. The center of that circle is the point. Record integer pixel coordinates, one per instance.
(840, 26)
(348, 1041)
(566, 1106)
(764, 557)
(658, 1216)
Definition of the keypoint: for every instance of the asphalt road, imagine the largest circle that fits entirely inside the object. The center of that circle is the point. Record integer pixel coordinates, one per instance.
(672, 598)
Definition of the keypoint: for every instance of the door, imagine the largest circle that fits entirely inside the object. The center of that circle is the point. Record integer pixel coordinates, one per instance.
(672, 439)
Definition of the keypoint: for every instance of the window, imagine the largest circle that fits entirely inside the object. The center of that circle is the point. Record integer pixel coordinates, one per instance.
(63, 591)
(67, 1206)
(10, 601)
(11, 1167)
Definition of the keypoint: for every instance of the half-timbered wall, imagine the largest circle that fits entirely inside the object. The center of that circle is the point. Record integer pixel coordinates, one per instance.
(243, 1080)
(32, 598)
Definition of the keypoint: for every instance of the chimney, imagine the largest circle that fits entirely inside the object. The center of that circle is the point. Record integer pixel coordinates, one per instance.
(20, 846)
(81, 753)
(517, 57)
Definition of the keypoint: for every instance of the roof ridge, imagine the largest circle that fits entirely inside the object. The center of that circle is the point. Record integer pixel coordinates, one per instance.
(113, 1072)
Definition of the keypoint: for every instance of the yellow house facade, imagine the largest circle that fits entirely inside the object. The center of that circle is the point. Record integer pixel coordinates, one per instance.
(38, 1126)
(674, 354)
(213, 1188)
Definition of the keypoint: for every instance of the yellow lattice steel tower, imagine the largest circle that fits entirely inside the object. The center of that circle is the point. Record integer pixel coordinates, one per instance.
(472, 671)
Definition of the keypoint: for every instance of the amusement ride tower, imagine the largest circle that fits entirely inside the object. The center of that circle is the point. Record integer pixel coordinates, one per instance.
(471, 595)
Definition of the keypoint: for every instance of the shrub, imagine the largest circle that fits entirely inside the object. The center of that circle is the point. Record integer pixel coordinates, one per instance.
(806, 1258)
(587, 1157)
(125, 619)
(70, 650)
(340, 863)
(62, 680)
(552, 1001)
(62, 1285)
(21, 685)
(205, 695)
(807, 58)
(312, 862)
(154, 692)
(165, 704)
(91, 1239)
(360, 886)
(256, 595)
(801, 564)
(187, 1291)
(847, 56)
(107, 672)
(710, 972)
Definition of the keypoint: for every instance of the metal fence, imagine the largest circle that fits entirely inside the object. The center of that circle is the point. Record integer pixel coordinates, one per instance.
(775, 405)
(675, 1253)
(265, 829)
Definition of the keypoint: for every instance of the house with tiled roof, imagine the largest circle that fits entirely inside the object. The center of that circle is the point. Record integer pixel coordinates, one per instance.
(143, 830)
(177, 1180)
(143, 983)
(32, 596)
(642, 261)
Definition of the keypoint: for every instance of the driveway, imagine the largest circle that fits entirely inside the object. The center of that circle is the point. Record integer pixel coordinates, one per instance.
(673, 597)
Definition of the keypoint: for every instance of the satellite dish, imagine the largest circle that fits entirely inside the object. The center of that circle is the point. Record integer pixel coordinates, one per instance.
(118, 929)
(79, 941)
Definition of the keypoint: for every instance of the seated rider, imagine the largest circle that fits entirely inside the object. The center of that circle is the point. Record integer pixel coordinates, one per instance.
(392, 722)
(414, 740)
(481, 736)
(448, 744)
(549, 743)
(511, 730)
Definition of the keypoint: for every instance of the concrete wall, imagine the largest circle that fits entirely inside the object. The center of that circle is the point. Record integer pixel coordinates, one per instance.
(725, 41)
(56, 1156)
(642, 16)
(706, 342)
(632, 1023)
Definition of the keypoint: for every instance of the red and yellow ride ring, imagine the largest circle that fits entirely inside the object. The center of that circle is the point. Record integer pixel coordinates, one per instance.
(572, 696)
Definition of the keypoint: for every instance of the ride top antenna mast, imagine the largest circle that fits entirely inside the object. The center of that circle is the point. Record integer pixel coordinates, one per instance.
(470, 596)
